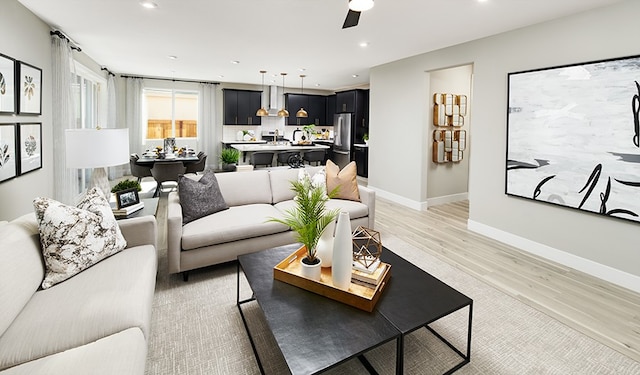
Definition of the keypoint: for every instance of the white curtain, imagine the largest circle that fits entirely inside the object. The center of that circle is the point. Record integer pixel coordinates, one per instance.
(112, 118)
(65, 180)
(133, 115)
(208, 138)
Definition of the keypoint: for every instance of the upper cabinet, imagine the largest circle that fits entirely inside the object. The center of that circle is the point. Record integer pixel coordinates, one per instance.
(315, 105)
(356, 102)
(331, 109)
(240, 107)
(346, 101)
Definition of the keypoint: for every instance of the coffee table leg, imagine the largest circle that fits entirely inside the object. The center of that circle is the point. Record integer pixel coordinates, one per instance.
(244, 320)
(400, 355)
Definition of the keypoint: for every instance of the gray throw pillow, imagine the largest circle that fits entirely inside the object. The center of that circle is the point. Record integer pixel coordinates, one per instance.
(200, 198)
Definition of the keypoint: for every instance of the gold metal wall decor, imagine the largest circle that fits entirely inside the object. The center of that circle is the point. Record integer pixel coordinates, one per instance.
(449, 112)
(367, 246)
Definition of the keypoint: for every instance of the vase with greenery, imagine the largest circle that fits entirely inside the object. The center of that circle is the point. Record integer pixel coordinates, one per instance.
(309, 217)
(229, 158)
(126, 184)
(365, 138)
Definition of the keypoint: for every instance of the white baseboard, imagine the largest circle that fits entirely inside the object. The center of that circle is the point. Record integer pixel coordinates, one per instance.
(587, 266)
(399, 199)
(447, 199)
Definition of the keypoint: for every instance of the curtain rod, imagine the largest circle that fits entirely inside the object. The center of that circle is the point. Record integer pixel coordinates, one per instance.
(170, 79)
(108, 71)
(60, 35)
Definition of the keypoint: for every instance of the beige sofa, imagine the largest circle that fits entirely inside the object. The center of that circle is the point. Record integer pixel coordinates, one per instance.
(96, 322)
(252, 198)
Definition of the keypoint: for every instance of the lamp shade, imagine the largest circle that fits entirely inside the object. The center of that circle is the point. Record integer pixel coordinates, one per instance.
(95, 148)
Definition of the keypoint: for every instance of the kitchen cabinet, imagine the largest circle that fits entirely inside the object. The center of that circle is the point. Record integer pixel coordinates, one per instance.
(240, 107)
(361, 156)
(315, 105)
(356, 102)
(331, 109)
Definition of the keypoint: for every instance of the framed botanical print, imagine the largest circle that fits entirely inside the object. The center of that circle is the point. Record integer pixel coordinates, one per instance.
(30, 146)
(7, 84)
(8, 162)
(30, 94)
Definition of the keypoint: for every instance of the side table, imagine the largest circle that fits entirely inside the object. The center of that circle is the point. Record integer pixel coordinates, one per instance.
(150, 208)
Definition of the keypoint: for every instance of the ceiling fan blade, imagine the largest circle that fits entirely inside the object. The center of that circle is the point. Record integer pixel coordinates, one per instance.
(352, 19)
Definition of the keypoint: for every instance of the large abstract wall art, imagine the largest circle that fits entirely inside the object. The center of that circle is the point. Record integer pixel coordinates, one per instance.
(573, 136)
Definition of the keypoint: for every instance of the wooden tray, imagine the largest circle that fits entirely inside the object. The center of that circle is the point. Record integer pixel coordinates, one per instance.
(359, 296)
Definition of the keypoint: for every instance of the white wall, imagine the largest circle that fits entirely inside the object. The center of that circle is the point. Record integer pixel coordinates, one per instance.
(449, 181)
(605, 247)
(25, 37)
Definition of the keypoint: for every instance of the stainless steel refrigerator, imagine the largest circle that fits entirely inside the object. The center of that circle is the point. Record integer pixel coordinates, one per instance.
(342, 138)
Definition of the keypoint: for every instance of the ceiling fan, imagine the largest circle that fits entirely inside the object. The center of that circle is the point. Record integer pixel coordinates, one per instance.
(355, 8)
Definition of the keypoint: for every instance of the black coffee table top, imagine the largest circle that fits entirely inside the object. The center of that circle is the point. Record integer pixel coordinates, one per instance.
(315, 333)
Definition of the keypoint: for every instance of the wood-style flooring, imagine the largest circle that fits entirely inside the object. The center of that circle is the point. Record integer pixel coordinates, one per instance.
(601, 310)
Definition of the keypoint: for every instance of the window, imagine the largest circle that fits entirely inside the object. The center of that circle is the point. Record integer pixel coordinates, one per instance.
(170, 113)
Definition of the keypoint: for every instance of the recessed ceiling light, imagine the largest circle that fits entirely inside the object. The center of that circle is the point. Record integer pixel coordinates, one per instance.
(148, 4)
(317, 85)
(355, 76)
(220, 76)
(235, 62)
(364, 44)
(302, 69)
(172, 57)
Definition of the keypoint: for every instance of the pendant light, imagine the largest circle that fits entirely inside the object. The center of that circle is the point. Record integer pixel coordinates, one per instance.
(262, 112)
(283, 112)
(301, 112)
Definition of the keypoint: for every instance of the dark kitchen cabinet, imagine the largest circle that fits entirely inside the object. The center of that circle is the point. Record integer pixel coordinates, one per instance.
(361, 156)
(331, 109)
(346, 101)
(356, 102)
(240, 107)
(315, 105)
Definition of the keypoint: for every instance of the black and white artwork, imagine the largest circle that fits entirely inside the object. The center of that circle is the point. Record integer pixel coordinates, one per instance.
(8, 162)
(573, 136)
(30, 95)
(7, 84)
(30, 145)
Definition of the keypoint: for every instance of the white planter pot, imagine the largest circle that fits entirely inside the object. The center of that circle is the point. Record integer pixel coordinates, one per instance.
(313, 271)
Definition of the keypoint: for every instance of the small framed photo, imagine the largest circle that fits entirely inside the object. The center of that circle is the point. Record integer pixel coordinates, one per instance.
(126, 198)
(8, 161)
(30, 146)
(7, 84)
(30, 95)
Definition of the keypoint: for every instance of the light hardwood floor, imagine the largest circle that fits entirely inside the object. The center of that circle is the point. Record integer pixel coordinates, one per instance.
(603, 311)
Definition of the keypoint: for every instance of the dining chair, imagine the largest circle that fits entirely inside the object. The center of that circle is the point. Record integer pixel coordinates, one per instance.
(197, 166)
(283, 157)
(261, 158)
(138, 170)
(314, 156)
(166, 171)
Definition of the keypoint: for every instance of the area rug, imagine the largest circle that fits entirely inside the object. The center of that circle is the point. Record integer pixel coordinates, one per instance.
(196, 329)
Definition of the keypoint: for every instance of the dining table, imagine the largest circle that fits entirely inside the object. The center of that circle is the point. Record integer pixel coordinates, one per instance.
(150, 160)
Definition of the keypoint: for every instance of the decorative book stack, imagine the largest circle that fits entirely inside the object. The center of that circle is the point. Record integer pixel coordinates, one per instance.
(126, 211)
(368, 276)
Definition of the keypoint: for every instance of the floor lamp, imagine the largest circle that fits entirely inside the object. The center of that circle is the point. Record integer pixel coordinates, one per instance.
(97, 148)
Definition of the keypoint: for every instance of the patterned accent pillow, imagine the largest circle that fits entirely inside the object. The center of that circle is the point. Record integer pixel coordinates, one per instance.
(75, 238)
(345, 179)
(200, 198)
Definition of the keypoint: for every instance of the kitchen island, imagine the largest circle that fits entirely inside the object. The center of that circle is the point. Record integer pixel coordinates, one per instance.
(246, 149)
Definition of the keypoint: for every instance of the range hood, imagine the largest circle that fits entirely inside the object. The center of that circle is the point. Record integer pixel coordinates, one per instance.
(273, 101)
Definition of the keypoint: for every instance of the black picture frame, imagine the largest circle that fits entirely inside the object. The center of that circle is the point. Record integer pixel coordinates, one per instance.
(30, 147)
(8, 98)
(573, 136)
(8, 147)
(126, 198)
(29, 96)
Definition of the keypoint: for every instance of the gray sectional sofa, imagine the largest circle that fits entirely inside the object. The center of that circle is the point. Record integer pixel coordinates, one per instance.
(96, 322)
(252, 198)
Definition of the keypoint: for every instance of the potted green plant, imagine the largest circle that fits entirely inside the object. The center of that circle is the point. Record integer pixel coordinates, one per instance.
(126, 184)
(365, 138)
(308, 219)
(229, 158)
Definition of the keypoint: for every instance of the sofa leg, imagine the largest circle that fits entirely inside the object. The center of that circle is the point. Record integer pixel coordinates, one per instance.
(185, 276)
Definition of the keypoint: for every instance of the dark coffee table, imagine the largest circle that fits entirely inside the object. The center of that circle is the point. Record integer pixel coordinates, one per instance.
(315, 333)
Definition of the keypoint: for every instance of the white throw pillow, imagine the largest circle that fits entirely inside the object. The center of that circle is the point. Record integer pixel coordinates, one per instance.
(75, 238)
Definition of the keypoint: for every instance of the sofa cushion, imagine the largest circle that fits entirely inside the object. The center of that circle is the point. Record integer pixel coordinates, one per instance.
(121, 353)
(345, 179)
(281, 183)
(113, 295)
(355, 209)
(236, 223)
(21, 268)
(240, 188)
(75, 238)
(200, 198)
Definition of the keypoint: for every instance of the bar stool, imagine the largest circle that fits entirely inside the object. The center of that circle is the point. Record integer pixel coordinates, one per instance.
(261, 158)
(314, 156)
(283, 157)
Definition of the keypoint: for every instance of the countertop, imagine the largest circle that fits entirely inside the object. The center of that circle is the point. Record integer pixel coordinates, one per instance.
(281, 147)
(242, 142)
(361, 144)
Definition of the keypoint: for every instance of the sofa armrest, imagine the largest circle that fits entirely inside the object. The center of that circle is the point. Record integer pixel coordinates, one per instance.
(368, 197)
(174, 232)
(141, 230)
